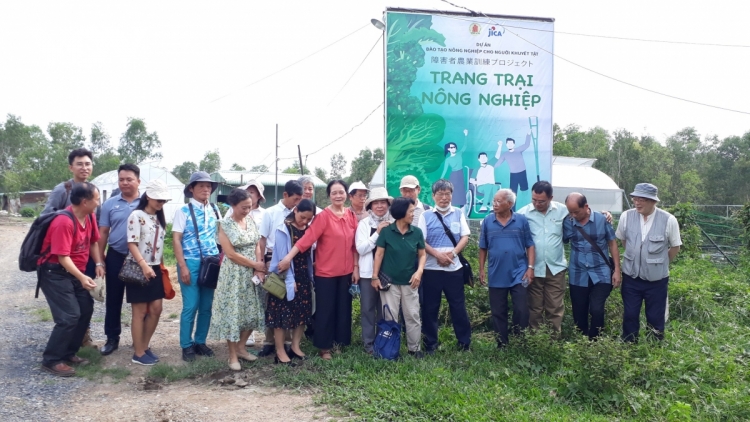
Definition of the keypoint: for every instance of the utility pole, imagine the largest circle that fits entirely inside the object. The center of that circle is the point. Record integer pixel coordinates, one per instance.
(276, 192)
(299, 151)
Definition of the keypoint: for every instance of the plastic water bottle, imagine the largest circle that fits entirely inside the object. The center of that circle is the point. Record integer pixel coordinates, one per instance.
(525, 283)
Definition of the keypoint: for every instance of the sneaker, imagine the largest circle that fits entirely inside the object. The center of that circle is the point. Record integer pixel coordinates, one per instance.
(60, 370)
(144, 360)
(250, 341)
(203, 350)
(152, 354)
(188, 354)
(417, 355)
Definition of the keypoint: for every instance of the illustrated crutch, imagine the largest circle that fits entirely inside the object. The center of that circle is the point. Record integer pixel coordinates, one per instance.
(534, 129)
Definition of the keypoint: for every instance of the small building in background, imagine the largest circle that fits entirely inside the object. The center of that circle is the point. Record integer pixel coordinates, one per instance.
(34, 199)
(230, 179)
(108, 186)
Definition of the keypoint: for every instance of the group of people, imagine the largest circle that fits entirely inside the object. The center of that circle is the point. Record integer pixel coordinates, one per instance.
(394, 254)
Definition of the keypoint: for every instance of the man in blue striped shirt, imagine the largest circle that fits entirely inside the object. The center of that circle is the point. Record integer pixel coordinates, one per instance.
(591, 279)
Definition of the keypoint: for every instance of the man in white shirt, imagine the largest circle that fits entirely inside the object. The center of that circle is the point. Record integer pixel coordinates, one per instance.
(273, 218)
(410, 189)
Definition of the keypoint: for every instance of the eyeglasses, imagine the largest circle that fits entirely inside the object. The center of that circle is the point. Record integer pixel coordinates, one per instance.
(83, 165)
(498, 202)
(539, 201)
(360, 196)
(638, 199)
(444, 194)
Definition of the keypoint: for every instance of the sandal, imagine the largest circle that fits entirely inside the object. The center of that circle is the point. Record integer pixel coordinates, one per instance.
(325, 354)
(247, 357)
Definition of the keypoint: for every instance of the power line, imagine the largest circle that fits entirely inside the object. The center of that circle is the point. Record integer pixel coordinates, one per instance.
(288, 66)
(596, 35)
(347, 132)
(602, 74)
(355, 70)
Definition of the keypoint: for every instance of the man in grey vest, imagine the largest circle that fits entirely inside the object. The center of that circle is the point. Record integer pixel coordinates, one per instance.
(651, 238)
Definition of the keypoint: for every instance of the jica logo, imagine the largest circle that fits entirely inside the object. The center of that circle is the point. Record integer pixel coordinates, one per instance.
(495, 32)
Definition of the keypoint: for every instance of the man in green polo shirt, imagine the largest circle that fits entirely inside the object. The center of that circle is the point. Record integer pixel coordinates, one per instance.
(398, 247)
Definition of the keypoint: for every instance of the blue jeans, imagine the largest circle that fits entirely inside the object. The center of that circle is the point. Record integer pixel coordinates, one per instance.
(636, 291)
(195, 300)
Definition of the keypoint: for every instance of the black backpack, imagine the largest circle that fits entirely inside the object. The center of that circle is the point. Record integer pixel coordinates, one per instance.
(31, 248)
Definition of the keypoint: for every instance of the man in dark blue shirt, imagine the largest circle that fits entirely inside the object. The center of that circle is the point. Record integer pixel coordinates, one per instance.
(506, 238)
(590, 276)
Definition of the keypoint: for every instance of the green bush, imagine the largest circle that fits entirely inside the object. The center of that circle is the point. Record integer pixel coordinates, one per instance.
(690, 232)
(28, 212)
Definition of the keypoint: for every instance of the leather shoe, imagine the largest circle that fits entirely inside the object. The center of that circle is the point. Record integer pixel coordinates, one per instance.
(61, 370)
(289, 363)
(75, 360)
(203, 350)
(110, 346)
(267, 350)
(293, 355)
(188, 354)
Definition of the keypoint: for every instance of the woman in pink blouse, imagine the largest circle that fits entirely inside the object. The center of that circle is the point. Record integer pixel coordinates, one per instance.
(336, 269)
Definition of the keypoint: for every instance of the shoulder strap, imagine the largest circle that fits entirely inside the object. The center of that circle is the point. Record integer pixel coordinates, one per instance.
(156, 239)
(216, 210)
(197, 232)
(595, 246)
(447, 230)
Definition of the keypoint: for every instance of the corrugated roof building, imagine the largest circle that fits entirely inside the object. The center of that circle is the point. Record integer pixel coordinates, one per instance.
(229, 179)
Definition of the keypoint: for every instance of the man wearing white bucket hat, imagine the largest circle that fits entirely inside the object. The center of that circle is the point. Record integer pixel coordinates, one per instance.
(357, 196)
(651, 238)
(368, 231)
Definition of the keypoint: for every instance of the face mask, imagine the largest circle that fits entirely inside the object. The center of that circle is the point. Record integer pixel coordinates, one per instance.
(443, 209)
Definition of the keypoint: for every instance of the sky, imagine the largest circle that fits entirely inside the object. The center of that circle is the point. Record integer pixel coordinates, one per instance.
(188, 68)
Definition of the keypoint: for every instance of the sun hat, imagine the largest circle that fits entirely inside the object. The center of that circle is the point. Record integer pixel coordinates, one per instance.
(199, 176)
(358, 185)
(157, 189)
(378, 194)
(646, 190)
(258, 186)
(410, 182)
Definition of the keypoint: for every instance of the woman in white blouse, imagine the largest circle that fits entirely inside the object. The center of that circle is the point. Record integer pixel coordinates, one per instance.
(146, 227)
(368, 231)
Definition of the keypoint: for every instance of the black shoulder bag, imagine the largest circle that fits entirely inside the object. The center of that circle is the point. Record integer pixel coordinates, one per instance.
(610, 262)
(208, 275)
(468, 272)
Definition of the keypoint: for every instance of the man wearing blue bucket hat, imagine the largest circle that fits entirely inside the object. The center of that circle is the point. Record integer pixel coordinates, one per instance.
(651, 238)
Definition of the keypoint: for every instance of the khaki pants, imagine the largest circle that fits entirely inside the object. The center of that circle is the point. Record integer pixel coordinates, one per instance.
(545, 296)
(407, 300)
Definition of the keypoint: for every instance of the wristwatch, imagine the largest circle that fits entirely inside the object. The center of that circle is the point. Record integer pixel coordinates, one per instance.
(99, 264)
(455, 255)
(531, 267)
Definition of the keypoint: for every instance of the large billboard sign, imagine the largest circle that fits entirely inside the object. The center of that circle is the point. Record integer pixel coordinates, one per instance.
(468, 99)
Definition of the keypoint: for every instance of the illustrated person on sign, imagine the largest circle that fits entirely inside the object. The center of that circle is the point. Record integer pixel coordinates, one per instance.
(485, 178)
(514, 158)
(455, 166)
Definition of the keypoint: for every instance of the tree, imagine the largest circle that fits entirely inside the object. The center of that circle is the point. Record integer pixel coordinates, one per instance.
(66, 135)
(23, 154)
(259, 169)
(338, 165)
(364, 166)
(237, 167)
(137, 144)
(321, 174)
(105, 157)
(294, 169)
(211, 162)
(184, 170)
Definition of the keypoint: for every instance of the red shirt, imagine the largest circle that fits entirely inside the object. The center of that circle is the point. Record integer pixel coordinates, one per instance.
(334, 255)
(69, 239)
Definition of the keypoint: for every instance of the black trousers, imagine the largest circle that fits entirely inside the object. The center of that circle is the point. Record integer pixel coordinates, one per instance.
(71, 306)
(635, 291)
(115, 294)
(589, 300)
(499, 310)
(435, 283)
(333, 311)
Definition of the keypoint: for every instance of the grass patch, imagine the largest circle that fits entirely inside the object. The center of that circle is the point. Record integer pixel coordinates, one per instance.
(701, 371)
(42, 314)
(201, 367)
(97, 319)
(173, 316)
(94, 371)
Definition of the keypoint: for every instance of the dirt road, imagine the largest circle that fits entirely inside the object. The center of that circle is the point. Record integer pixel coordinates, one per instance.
(26, 393)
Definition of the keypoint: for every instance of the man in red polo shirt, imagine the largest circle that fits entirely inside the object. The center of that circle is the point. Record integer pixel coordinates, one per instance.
(66, 247)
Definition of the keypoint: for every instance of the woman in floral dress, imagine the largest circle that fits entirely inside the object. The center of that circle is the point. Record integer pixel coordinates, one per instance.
(293, 312)
(238, 301)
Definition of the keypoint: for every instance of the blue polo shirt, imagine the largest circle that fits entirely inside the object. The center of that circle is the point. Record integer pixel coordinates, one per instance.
(585, 261)
(114, 214)
(506, 249)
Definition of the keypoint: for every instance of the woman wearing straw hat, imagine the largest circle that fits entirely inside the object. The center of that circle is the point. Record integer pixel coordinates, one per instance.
(368, 230)
(146, 227)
